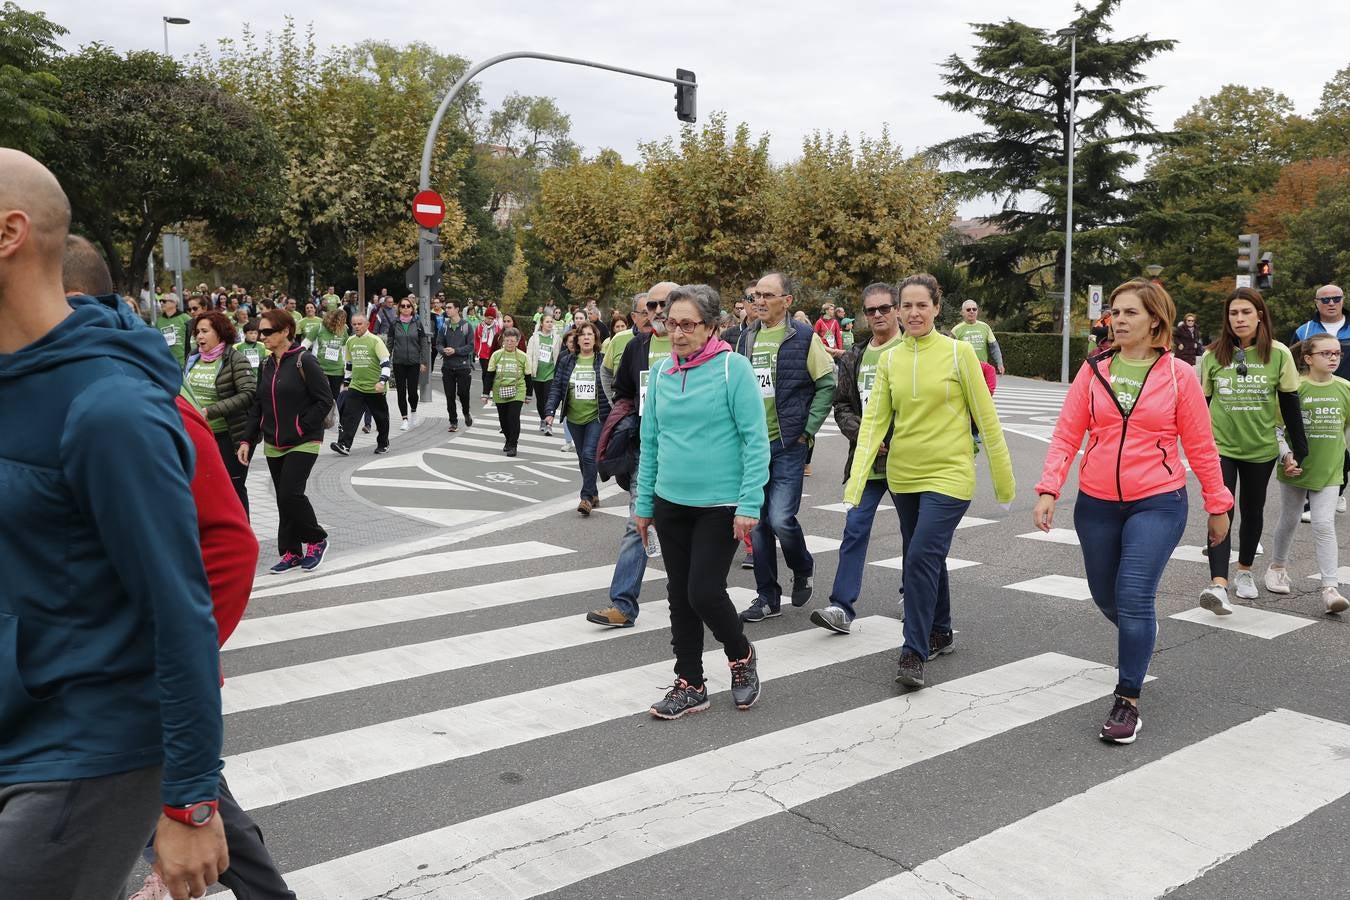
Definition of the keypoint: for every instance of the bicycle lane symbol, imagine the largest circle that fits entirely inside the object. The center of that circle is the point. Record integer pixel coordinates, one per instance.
(504, 478)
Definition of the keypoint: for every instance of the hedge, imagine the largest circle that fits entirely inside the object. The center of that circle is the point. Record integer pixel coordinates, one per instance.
(1039, 355)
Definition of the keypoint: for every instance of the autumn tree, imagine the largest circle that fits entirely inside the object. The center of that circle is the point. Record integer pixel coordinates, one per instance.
(524, 136)
(515, 284)
(842, 217)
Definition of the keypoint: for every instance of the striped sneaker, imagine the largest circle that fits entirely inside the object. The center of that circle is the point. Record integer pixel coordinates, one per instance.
(1123, 724)
(680, 700)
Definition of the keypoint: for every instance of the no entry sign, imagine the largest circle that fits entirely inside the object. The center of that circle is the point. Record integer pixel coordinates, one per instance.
(428, 209)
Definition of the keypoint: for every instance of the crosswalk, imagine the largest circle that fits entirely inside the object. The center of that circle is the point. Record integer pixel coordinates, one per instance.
(450, 774)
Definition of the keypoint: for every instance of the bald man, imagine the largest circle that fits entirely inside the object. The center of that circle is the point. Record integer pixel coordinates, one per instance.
(118, 643)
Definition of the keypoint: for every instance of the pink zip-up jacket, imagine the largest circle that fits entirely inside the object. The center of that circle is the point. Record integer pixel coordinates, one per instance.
(1133, 456)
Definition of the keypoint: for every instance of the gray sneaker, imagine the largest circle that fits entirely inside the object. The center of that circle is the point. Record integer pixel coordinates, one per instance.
(1215, 599)
(910, 671)
(834, 618)
(760, 610)
(745, 679)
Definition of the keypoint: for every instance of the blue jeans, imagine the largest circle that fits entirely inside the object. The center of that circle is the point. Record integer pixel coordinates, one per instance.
(586, 438)
(631, 565)
(778, 519)
(1125, 548)
(927, 522)
(853, 551)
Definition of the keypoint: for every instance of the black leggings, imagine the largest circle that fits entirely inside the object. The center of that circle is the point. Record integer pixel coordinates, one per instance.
(1251, 506)
(407, 377)
(296, 524)
(237, 471)
(541, 389)
(508, 414)
(697, 545)
(335, 385)
(483, 364)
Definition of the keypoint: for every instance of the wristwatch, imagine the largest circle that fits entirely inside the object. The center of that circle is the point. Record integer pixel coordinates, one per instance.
(197, 815)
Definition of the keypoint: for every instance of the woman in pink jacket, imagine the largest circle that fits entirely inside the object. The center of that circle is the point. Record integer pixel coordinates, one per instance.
(1133, 400)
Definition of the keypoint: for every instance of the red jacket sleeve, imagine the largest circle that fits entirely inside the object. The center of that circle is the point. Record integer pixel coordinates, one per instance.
(229, 548)
(990, 376)
(1068, 437)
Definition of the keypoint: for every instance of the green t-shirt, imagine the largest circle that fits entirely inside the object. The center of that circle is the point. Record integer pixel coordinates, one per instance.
(1244, 411)
(331, 302)
(867, 376)
(978, 335)
(175, 331)
(509, 385)
(1326, 414)
(327, 349)
(848, 340)
(201, 379)
(1127, 379)
(764, 360)
(615, 351)
(253, 352)
(270, 452)
(309, 328)
(583, 406)
(658, 351)
(365, 353)
(544, 365)
(298, 316)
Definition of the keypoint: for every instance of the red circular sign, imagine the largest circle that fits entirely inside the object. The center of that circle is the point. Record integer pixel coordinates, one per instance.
(428, 209)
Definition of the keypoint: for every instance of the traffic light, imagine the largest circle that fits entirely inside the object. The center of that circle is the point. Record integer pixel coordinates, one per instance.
(1264, 272)
(1249, 251)
(686, 96)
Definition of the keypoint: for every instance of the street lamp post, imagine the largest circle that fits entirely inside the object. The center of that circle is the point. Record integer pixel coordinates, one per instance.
(1072, 34)
(172, 20)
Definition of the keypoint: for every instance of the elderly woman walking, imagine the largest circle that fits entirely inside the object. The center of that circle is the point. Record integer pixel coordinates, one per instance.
(705, 460)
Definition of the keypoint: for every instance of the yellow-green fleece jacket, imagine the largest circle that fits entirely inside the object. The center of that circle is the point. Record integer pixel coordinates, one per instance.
(931, 387)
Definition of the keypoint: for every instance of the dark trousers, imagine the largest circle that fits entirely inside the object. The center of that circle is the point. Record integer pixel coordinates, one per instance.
(296, 524)
(253, 874)
(541, 390)
(406, 379)
(77, 838)
(457, 383)
(1251, 506)
(358, 403)
(238, 471)
(508, 414)
(698, 544)
(483, 364)
(335, 385)
(927, 522)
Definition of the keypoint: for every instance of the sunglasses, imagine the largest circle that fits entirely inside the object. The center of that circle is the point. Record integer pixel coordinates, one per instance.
(405, 306)
(268, 332)
(653, 305)
(878, 310)
(1334, 298)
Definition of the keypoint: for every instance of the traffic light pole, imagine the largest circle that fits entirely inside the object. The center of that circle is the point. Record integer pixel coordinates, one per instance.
(427, 236)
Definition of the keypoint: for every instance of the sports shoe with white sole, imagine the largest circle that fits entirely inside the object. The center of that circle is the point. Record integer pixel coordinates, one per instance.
(1340, 503)
(1277, 581)
(1244, 585)
(1123, 724)
(1215, 599)
(1333, 600)
(833, 618)
(681, 700)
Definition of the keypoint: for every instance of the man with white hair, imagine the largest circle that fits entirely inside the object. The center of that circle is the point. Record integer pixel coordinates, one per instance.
(978, 335)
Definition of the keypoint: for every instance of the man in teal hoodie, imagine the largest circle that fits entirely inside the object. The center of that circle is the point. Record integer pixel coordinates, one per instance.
(109, 698)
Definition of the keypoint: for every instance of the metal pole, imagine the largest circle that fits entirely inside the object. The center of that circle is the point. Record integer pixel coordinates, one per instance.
(427, 236)
(1068, 220)
(166, 34)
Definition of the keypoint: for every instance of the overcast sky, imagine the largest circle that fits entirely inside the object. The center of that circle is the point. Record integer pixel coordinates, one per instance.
(786, 68)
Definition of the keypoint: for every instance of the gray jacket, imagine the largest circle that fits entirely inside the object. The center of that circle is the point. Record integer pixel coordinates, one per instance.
(407, 346)
(459, 337)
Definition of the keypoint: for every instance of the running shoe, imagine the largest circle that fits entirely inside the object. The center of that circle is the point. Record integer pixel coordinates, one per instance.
(1123, 724)
(1277, 581)
(510, 451)
(1307, 515)
(610, 617)
(940, 643)
(285, 564)
(468, 421)
(760, 610)
(833, 618)
(365, 429)
(413, 421)
(1333, 600)
(339, 449)
(748, 561)
(381, 450)
(584, 507)
(910, 671)
(745, 679)
(1340, 503)
(680, 700)
(314, 554)
(802, 586)
(454, 426)
(807, 470)
(595, 502)
(1215, 599)
(1244, 585)
(404, 426)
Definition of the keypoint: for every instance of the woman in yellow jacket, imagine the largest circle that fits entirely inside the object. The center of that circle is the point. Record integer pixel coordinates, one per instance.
(927, 391)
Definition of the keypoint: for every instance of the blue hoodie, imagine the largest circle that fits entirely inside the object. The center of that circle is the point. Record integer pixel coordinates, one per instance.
(108, 657)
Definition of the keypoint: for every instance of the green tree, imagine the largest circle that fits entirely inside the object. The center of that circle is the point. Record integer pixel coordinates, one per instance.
(29, 114)
(1017, 84)
(843, 218)
(515, 284)
(145, 147)
(524, 136)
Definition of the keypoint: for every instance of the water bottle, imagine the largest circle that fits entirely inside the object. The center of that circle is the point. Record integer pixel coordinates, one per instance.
(653, 545)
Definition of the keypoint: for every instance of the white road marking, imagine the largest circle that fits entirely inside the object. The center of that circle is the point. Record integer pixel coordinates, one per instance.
(1055, 586)
(1260, 623)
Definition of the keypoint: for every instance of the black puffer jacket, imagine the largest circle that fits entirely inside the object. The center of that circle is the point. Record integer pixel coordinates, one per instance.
(235, 390)
(848, 408)
(292, 401)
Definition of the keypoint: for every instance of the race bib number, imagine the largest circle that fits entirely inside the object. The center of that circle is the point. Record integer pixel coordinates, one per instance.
(506, 392)
(829, 339)
(171, 336)
(583, 385)
(253, 358)
(654, 363)
(332, 353)
(763, 366)
(546, 355)
(866, 378)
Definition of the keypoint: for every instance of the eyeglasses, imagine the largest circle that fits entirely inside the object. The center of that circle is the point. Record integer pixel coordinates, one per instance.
(1241, 358)
(268, 332)
(878, 310)
(1327, 354)
(749, 298)
(759, 295)
(1334, 298)
(685, 327)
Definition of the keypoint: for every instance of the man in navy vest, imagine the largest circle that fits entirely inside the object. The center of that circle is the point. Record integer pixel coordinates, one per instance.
(796, 379)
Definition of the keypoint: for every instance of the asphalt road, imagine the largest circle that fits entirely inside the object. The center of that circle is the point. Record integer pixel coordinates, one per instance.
(438, 721)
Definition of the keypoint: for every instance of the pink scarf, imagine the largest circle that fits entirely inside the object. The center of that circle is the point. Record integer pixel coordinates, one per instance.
(213, 354)
(405, 319)
(714, 346)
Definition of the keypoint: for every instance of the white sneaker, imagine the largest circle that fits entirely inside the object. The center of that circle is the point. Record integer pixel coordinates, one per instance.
(1306, 517)
(1215, 599)
(1277, 581)
(1335, 603)
(412, 420)
(1340, 503)
(404, 426)
(1244, 585)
